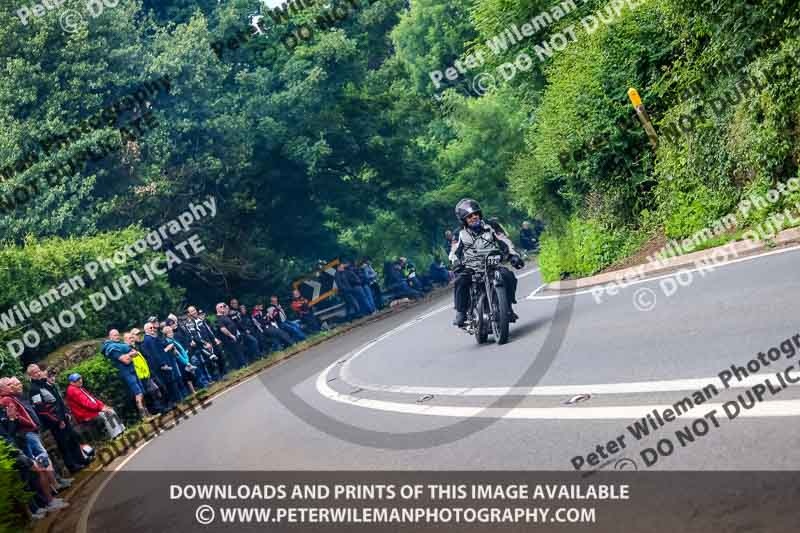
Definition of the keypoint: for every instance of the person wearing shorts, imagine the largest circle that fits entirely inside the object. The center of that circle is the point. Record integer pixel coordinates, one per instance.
(121, 356)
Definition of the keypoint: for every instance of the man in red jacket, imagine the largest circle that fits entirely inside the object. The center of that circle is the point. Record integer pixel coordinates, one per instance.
(90, 412)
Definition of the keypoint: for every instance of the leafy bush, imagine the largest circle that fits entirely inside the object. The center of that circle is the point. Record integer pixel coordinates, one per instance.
(31, 270)
(583, 248)
(101, 378)
(13, 494)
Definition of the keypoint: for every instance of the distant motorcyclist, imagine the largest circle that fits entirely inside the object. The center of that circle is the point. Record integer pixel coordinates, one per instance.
(475, 240)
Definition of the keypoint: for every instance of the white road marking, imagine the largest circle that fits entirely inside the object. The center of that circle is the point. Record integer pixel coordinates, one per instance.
(628, 412)
(625, 285)
(565, 390)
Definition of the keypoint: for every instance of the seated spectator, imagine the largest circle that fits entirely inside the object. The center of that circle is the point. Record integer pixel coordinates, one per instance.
(207, 341)
(187, 369)
(438, 273)
(92, 415)
(152, 392)
(25, 424)
(396, 282)
(305, 313)
(120, 355)
(246, 338)
(279, 338)
(24, 466)
(416, 280)
(276, 314)
(251, 334)
(53, 413)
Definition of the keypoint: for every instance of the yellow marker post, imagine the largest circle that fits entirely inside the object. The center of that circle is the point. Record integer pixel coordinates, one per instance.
(641, 112)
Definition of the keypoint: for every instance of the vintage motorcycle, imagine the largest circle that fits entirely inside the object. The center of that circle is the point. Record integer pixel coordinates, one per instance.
(488, 310)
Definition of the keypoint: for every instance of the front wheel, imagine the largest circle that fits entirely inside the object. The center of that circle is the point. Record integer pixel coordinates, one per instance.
(481, 314)
(500, 315)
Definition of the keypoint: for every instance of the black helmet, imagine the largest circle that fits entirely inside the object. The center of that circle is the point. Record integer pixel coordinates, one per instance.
(466, 207)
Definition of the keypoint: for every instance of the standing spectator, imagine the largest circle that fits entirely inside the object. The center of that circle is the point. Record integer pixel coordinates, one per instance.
(53, 413)
(372, 282)
(304, 312)
(448, 242)
(231, 337)
(203, 334)
(120, 355)
(89, 412)
(276, 314)
(163, 362)
(188, 370)
(364, 293)
(152, 392)
(345, 289)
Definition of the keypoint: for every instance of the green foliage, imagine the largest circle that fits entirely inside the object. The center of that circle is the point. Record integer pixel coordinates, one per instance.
(13, 494)
(578, 157)
(101, 378)
(583, 248)
(33, 269)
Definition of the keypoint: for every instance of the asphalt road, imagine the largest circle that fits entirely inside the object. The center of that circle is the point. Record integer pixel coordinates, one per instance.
(411, 392)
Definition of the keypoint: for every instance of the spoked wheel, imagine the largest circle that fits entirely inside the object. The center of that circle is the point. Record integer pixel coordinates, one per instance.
(482, 320)
(500, 315)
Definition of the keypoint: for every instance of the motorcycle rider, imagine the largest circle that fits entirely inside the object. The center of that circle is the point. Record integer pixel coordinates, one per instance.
(475, 239)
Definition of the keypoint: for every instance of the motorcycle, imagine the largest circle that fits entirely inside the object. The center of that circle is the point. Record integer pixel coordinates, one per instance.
(488, 312)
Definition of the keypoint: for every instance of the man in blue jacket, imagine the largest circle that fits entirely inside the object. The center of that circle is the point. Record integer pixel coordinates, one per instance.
(120, 355)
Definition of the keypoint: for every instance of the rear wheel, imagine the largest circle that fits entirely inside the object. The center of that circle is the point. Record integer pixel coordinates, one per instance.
(482, 320)
(500, 315)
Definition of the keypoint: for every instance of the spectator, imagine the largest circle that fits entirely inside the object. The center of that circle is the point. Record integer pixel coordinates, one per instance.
(188, 370)
(25, 467)
(163, 362)
(228, 331)
(438, 273)
(448, 242)
(91, 414)
(152, 392)
(276, 314)
(279, 338)
(247, 338)
(396, 282)
(345, 289)
(203, 334)
(529, 237)
(24, 422)
(120, 355)
(372, 282)
(53, 413)
(415, 280)
(364, 293)
(304, 312)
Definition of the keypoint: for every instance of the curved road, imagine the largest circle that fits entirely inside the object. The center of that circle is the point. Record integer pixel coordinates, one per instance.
(413, 393)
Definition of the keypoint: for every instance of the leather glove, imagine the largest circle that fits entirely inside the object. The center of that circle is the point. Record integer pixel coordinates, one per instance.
(517, 262)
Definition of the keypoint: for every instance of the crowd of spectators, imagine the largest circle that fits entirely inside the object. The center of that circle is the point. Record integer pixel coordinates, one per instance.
(167, 361)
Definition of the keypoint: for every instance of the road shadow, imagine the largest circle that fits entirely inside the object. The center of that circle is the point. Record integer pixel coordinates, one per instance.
(518, 332)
